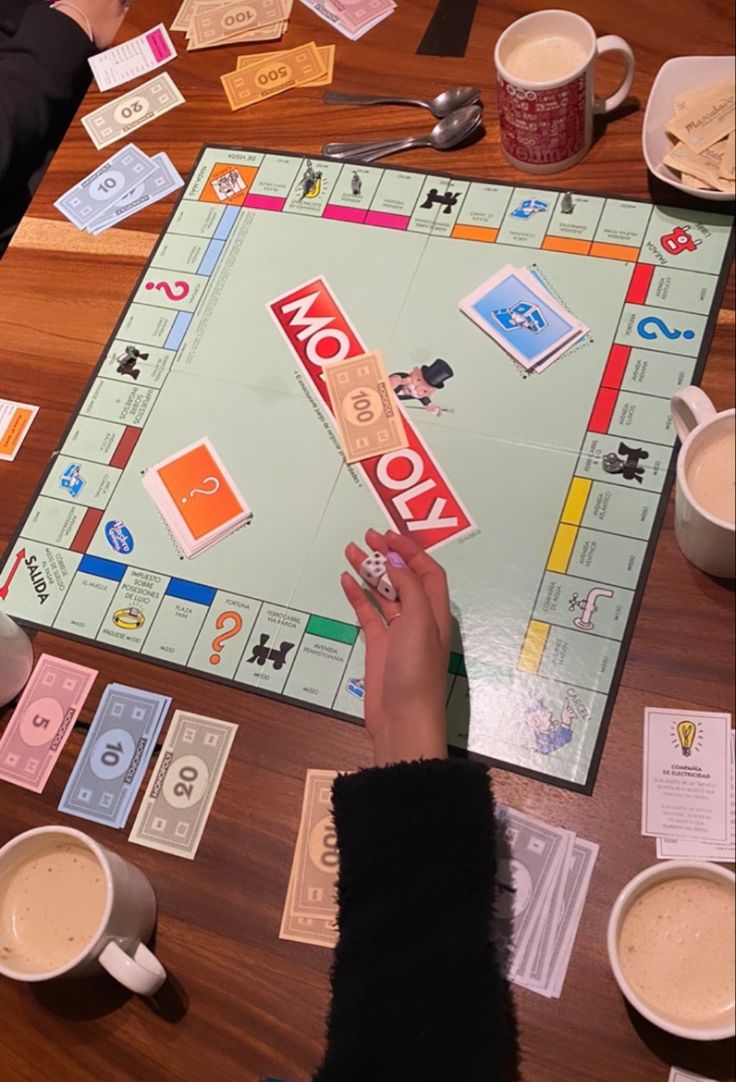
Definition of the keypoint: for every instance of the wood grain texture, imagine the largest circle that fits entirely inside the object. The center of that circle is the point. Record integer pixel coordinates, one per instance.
(242, 1003)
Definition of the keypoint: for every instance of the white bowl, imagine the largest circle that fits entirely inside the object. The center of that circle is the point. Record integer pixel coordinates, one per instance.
(644, 881)
(676, 77)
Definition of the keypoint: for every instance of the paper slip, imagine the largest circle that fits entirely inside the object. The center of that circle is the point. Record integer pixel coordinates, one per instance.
(310, 909)
(216, 25)
(157, 185)
(367, 412)
(97, 193)
(182, 788)
(270, 77)
(42, 721)
(705, 119)
(118, 118)
(678, 1075)
(347, 18)
(686, 775)
(115, 754)
(326, 52)
(127, 61)
(685, 160)
(521, 316)
(197, 497)
(16, 419)
(676, 849)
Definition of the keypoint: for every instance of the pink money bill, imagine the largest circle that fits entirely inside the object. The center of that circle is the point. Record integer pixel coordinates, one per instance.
(42, 721)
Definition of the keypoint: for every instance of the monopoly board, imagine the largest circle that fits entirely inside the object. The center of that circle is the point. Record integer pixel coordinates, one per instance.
(541, 493)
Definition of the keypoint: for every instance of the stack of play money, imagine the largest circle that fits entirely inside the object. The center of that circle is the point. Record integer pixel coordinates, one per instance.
(208, 23)
(703, 130)
(353, 18)
(262, 75)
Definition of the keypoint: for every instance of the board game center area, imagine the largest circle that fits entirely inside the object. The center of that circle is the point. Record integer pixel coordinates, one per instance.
(368, 550)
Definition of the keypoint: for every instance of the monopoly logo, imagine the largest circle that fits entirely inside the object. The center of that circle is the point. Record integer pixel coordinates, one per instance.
(409, 484)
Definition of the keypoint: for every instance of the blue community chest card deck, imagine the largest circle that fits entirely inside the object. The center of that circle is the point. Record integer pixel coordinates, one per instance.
(515, 309)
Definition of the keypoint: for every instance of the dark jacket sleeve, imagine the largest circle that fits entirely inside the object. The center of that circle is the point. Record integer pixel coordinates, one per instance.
(43, 75)
(417, 993)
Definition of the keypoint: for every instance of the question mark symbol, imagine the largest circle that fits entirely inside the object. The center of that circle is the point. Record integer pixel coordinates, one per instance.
(183, 289)
(202, 491)
(644, 324)
(219, 640)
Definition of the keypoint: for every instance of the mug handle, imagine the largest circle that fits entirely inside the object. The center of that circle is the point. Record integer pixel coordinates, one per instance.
(141, 973)
(690, 407)
(612, 43)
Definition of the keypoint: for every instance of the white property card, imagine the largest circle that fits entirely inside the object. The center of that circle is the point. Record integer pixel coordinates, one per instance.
(686, 775)
(132, 58)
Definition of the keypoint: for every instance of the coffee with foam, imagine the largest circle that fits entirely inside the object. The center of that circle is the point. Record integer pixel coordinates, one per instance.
(677, 950)
(52, 903)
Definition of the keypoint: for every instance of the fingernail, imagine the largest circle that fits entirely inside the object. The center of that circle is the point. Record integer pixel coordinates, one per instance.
(395, 560)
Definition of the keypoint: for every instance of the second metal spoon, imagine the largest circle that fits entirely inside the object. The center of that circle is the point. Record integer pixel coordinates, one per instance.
(446, 134)
(444, 104)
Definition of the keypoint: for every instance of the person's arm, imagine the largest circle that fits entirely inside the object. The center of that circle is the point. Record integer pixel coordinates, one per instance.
(44, 71)
(417, 993)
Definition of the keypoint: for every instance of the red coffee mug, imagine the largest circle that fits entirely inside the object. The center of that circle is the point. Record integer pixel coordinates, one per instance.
(547, 126)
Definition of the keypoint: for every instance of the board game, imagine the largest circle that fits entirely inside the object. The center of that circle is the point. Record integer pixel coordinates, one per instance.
(540, 492)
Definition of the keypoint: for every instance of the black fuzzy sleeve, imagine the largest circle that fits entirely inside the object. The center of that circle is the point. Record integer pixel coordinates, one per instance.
(417, 992)
(43, 75)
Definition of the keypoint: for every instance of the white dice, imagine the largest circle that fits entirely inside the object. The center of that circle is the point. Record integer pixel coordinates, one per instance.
(387, 589)
(373, 568)
(373, 571)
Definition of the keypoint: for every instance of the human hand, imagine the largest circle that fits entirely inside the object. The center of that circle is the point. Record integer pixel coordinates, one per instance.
(101, 17)
(407, 649)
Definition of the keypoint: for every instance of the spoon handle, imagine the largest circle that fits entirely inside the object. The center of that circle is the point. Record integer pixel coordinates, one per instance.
(333, 97)
(373, 153)
(349, 150)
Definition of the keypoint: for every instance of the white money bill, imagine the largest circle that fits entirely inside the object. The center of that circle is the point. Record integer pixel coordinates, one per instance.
(157, 185)
(110, 182)
(182, 787)
(116, 119)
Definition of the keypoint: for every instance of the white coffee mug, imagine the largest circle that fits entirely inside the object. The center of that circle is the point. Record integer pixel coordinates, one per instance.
(634, 889)
(117, 943)
(16, 659)
(708, 542)
(547, 126)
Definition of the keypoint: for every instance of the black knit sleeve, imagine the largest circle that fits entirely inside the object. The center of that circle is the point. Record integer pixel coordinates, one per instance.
(43, 74)
(417, 993)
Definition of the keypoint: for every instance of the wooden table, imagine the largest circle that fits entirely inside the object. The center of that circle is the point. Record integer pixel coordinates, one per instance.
(242, 1003)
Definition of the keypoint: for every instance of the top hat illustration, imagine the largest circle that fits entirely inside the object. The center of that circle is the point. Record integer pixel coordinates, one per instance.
(436, 373)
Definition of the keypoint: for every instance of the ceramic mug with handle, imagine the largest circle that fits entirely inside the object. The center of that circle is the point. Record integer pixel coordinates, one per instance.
(545, 71)
(71, 908)
(704, 498)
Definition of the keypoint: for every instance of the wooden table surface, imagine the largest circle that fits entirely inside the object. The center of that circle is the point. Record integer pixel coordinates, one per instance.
(242, 1003)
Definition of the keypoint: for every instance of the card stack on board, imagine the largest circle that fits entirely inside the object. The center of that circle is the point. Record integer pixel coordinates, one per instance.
(517, 311)
(197, 497)
(702, 128)
(689, 785)
(120, 187)
(367, 413)
(263, 75)
(353, 18)
(208, 23)
(543, 884)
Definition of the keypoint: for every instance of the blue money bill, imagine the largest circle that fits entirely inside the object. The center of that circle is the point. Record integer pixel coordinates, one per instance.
(118, 747)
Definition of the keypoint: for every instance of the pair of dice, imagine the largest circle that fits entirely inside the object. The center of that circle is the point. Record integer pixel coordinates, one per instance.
(373, 571)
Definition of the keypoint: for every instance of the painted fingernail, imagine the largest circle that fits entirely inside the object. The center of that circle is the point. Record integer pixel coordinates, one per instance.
(395, 560)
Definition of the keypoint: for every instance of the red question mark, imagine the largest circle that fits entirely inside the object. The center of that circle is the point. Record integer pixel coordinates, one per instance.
(166, 288)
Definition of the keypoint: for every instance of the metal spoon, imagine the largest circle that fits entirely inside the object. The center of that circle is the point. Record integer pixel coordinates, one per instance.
(446, 134)
(444, 104)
